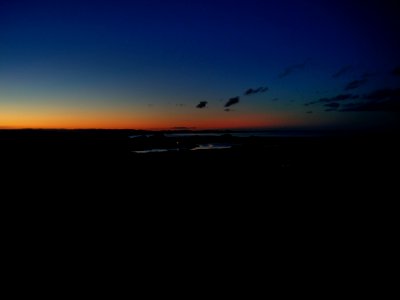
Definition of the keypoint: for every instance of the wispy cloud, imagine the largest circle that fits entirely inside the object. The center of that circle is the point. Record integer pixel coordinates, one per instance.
(202, 104)
(342, 71)
(355, 84)
(232, 101)
(383, 94)
(379, 100)
(388, 106)
(251, 91)
(293, 68)
(332, 105)
(341, 97)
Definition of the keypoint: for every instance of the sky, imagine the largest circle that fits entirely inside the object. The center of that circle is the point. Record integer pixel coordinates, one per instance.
(199, 64)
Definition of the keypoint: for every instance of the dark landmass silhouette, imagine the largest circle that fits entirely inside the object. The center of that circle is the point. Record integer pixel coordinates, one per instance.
(91, 170)
(281, 154)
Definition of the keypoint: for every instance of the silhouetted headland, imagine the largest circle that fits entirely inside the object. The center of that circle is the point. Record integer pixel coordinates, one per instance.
(247, 173)
(196, 150)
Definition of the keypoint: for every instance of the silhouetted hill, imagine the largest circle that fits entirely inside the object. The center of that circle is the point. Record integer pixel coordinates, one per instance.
(250, 158)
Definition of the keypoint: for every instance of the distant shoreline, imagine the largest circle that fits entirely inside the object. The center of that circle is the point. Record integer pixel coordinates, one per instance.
(284, 132)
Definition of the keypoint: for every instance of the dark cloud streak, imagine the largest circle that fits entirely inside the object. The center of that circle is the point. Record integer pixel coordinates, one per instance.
(387, 106)
(344, 70)
(355, 84)
(341, 97)
(251, 91)
(232, 101)
(383, 94)
(290, 69)
(332, 105)
(202, 104)
(385, 100)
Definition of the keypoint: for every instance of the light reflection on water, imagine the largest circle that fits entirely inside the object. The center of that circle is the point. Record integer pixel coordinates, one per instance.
(194, 134)
(140, 136)
(209, 146)
(154, 151)
(212, 146)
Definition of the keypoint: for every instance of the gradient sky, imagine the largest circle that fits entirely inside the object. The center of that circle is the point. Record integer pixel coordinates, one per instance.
(148, 64)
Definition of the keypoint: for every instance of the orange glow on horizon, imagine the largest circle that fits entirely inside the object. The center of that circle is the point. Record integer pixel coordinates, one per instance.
(102, 118)
(54, 122)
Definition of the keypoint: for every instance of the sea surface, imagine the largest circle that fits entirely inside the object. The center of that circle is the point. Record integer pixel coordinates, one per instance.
(252, 133)
(208, 146)
(214, 145)
(272, 133)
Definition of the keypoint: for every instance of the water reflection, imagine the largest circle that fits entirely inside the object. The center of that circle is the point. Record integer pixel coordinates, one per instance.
(212, 146)
(209, 146)
(154, 151)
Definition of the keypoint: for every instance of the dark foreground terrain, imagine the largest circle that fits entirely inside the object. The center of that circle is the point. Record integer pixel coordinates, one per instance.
(286, 193)
(334, 159)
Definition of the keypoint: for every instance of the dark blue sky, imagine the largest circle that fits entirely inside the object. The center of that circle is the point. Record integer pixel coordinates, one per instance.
(128, 64)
